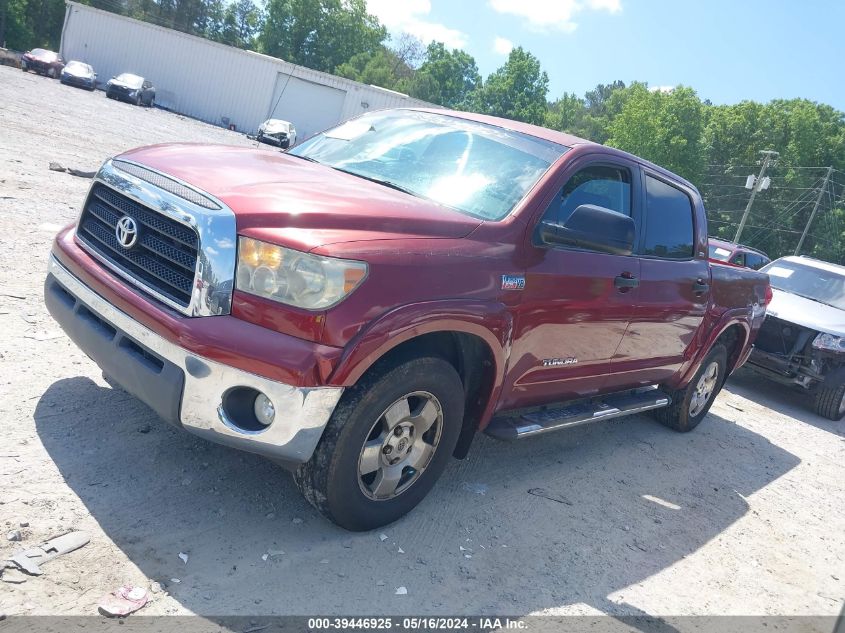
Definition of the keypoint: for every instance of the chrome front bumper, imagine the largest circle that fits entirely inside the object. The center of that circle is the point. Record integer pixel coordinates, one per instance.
(301, 413)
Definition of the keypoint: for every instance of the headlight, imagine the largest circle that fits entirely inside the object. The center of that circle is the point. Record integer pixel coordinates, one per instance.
(829, 342)
(295, 278)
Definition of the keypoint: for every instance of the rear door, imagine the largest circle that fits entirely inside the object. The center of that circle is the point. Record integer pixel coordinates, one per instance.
(576, 303)
(674, 286)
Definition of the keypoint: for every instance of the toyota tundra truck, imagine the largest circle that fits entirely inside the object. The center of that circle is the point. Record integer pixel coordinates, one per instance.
(359, 307)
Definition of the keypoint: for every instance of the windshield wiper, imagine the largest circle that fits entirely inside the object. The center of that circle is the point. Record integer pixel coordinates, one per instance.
(308, 158)
(380, 181)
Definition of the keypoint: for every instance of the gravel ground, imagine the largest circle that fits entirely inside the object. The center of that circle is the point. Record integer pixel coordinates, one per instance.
(742, 516)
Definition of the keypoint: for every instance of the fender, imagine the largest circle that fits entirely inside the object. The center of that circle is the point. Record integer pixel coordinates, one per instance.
(729, 318)
(488, 320)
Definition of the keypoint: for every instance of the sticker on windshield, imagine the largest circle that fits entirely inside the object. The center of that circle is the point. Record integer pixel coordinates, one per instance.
(780, 271)
(350, 130)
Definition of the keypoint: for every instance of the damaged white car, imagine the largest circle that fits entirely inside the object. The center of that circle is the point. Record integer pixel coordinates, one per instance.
(802, 341)
(277, 132)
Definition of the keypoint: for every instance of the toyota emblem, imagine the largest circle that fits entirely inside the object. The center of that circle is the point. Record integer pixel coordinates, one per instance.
(126, 232)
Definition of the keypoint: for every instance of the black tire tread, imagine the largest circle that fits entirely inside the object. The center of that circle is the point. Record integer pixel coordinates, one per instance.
(314, 477)
(826, 401)
(676, 415)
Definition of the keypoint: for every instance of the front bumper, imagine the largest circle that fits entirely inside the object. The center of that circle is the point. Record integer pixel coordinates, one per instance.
(183, 388)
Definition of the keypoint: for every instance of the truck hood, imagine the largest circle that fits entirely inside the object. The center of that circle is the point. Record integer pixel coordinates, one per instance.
(806, 312)
(298, 203)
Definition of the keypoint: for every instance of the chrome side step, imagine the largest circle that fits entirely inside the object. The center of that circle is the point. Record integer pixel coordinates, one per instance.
(517, 426)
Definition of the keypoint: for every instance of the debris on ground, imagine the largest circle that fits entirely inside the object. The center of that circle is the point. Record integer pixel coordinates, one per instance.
(175, 580)
(13, 576)
(401, 591)
(479, 489)
(542, 492)
(183, 557)
(79, 173)
(401, 551)
(29, 560)
(123, 601)
(296, 521)
(156, 587)
(274, 553)
(14, 535)
(382, 537)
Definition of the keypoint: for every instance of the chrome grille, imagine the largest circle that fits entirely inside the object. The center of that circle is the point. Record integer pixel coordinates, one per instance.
(163, 259)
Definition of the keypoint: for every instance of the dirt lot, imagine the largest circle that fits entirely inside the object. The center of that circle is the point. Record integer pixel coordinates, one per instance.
(743, 516)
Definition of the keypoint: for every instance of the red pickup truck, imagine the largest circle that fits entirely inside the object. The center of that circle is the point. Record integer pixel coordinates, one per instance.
(357, 308)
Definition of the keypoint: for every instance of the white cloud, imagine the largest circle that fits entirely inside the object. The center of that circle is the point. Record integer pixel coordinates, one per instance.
(407, 16)
(663, 89)
(502, 46)
(544, 15)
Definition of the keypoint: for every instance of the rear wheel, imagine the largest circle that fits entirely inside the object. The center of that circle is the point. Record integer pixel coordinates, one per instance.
(829, 402)
(386, 444)
(691, 404)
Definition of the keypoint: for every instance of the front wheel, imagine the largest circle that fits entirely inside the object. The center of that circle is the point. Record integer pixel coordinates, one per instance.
(386, 444)
(691, 404)
(829, 402)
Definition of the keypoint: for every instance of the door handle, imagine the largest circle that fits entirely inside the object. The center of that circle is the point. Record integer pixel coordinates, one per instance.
(626, 281)
(700, 287)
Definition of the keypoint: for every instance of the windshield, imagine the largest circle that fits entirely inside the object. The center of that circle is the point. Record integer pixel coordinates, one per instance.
(78, 67)
(719, 253)
(46, 56)
(824, 286)
(133, 81)
(478, 169)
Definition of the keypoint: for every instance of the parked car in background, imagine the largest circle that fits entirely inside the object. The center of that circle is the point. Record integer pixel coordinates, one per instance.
(724, 252)
(79, 74)
(358, 307)
(802, 341)
(277, 132)
(131, 88)
(43, 62)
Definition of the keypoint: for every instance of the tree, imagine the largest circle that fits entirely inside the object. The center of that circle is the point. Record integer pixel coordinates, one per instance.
(319, 34)
(446, 77)
(517, 90)
(380, 68)
(663, 127)
(240, 24)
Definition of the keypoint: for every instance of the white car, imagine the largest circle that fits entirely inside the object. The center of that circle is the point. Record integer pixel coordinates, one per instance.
(277, 132)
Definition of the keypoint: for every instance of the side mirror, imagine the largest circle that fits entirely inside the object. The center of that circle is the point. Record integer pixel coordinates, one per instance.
(592, 227)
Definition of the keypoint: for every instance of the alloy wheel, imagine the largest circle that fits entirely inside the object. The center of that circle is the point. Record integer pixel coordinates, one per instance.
(400, 445)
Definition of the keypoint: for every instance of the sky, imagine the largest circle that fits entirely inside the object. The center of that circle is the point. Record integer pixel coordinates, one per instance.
(726, 50)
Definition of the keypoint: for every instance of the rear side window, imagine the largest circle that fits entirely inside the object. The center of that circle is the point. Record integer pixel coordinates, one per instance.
(600, 185)
(755, 261)
(669, 226)
(739, 259)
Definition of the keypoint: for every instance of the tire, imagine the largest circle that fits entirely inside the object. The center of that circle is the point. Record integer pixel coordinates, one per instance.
(829, 402)
(332, 480)
(687, 409)
(137, 101)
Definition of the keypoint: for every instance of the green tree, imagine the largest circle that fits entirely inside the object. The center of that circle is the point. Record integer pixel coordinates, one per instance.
(663, 127)
(240, 24)
(319, 34)
(517, 90)
(446, 77)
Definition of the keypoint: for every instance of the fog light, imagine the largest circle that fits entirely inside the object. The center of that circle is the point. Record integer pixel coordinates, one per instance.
(264, 409)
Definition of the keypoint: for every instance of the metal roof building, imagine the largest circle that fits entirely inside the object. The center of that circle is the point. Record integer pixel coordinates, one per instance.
(214, 82)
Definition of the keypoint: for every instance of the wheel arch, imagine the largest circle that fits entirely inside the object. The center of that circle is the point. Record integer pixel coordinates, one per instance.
(473, 338)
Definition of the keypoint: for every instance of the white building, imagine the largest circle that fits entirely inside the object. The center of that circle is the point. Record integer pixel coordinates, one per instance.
(216, 83)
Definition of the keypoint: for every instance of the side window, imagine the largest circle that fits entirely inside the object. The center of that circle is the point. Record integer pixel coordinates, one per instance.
(668, 226)
(601, 185)
(755, 261)
(739, 259)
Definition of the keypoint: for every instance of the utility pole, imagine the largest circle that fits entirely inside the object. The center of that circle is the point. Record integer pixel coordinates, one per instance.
(815, 208)
(767, 158)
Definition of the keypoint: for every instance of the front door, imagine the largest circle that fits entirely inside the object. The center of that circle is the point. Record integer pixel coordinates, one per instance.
(577, 303)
